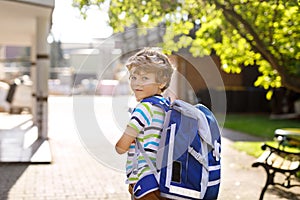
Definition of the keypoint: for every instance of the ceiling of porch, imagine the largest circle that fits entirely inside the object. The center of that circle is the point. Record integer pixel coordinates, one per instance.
(18, 21)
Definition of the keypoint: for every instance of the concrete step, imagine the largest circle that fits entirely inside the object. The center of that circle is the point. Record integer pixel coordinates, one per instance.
(19, 141)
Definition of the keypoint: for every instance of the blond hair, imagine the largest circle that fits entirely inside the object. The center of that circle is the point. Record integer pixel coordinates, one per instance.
(152, 60)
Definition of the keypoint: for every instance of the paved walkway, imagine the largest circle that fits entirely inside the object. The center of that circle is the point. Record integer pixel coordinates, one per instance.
(77, 172)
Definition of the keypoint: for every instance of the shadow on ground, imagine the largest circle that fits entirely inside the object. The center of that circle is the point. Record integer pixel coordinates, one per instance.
(9, 175)
(235, 136)
(283, 193)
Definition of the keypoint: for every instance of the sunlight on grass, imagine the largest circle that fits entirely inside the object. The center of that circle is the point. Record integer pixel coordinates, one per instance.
(258, 125)
(251, 148)
(254, 148)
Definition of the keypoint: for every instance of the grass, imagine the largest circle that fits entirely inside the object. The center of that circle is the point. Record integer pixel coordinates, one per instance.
(251, 148)
(257, 125)
(254, 148)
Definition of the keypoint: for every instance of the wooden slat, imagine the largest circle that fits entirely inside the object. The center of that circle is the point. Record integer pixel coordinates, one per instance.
(263, 157)
(294, 165)
(271, 159)
(278, 161)
(286, 165)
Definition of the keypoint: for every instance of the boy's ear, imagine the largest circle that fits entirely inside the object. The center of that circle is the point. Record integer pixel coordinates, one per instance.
(162, 85)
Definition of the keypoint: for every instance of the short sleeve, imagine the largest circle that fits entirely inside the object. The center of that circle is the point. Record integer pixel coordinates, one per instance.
(141, 117)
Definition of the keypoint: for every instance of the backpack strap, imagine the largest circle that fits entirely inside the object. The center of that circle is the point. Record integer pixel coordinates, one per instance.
(149, 162)
(161, 102)
(164, 104)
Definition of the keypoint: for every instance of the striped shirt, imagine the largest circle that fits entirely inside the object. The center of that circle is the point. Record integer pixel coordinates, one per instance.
(147, 120)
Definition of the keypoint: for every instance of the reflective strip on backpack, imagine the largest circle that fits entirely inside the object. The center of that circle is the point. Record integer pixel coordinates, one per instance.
(170, 155)
(215, 167)
(205, 173)
(212, 183)
(186, 192)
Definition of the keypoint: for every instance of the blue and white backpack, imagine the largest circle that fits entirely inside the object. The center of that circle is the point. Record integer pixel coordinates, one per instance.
(188, 160)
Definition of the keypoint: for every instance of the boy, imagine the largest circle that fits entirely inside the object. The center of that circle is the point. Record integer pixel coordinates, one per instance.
(150, 75)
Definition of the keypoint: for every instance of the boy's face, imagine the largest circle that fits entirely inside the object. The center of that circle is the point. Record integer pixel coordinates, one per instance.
(144, 84)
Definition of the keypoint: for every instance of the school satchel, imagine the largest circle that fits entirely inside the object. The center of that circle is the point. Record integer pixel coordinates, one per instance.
(188, 159)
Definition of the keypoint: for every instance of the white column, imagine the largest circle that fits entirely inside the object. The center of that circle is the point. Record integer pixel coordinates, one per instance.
(2, 56)
(40, 75)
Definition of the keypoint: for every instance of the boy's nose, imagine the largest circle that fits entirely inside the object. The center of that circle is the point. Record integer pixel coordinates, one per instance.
(137, 82)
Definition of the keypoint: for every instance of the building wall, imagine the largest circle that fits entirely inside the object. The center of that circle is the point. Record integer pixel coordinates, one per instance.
(197, 74)
(46, 3)
(95, 60)
(209, 82)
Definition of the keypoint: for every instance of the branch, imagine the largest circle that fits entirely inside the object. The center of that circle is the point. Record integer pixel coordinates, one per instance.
(271, 29)
(249, 29)
(291, 82)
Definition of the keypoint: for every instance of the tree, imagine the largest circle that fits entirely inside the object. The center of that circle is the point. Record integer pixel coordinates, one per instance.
(242, 33)
(56, 52)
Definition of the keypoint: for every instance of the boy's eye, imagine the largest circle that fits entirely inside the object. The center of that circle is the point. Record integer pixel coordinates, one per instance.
(132, 78)
(144, 78)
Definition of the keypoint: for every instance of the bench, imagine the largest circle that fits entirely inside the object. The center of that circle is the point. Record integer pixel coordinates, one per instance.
(275, 160)
(288, 137)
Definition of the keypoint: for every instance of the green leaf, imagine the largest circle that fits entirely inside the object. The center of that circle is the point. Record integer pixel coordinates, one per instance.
(263, 34)
(269, 94)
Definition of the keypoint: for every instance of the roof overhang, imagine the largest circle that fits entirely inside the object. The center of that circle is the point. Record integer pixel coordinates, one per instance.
(18, 20)
(43, 3)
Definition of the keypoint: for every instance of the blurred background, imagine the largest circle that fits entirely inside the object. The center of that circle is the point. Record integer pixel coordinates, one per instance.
(239, 58)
